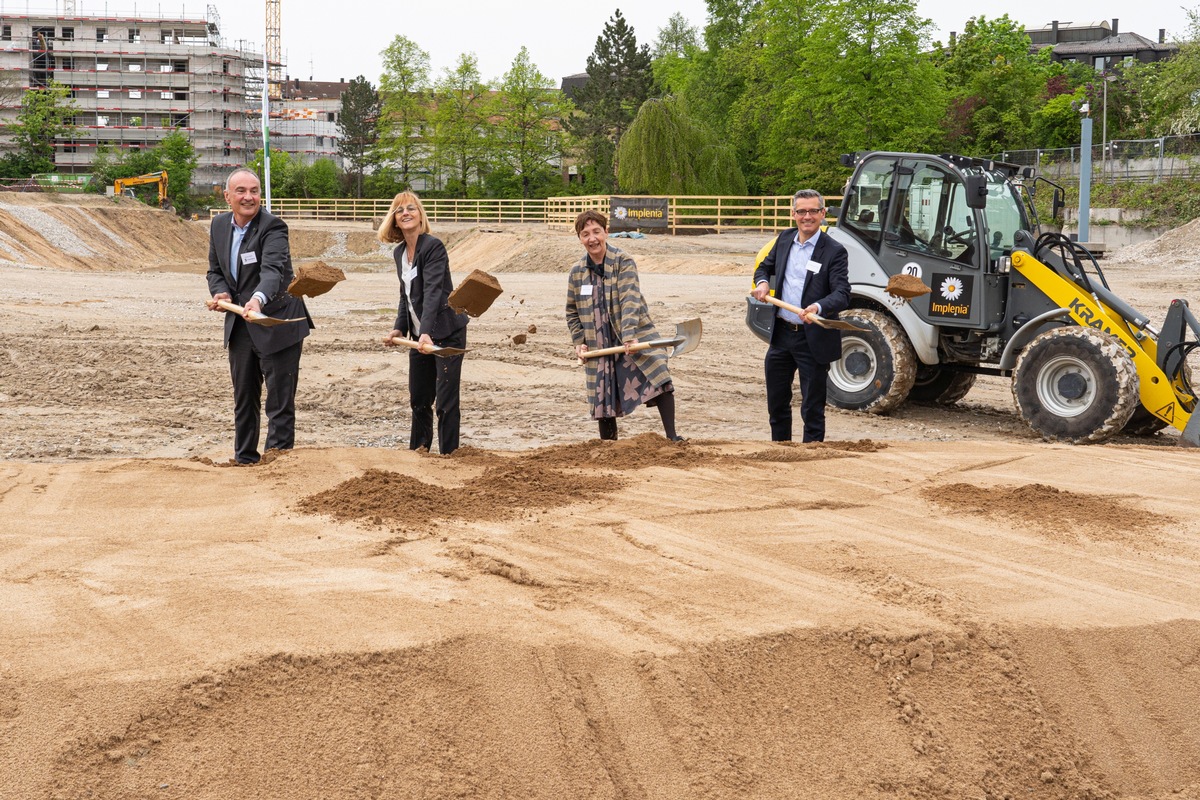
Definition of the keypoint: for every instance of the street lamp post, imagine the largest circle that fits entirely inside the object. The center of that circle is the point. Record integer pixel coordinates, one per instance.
(1104, 128)
(1085, 173)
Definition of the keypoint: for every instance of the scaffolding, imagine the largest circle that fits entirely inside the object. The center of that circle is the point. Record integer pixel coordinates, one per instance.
(134, 79)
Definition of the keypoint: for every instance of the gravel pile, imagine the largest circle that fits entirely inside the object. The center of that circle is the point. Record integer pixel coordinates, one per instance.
(53, 231)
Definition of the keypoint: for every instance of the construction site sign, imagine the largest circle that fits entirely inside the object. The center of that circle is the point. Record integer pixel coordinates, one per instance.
(631, 213)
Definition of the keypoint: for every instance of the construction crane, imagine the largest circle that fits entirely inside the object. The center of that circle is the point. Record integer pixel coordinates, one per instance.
(274, 51)
(122, 187)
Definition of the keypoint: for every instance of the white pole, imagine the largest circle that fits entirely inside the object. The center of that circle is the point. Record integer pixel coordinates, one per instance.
(266, 135)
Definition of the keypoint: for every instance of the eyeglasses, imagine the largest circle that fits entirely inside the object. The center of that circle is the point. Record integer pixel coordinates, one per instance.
(809, 212)
(402, 209)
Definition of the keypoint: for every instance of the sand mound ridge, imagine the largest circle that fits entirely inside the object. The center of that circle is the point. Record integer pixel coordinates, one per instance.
(501, 492)
(96, 233)
(933, 715)
(514, 485)
(1056, 512)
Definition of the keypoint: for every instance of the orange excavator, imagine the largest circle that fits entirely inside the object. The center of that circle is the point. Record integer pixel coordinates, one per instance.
(122, 187)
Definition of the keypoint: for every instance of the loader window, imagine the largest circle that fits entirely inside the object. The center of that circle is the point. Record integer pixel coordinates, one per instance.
(865, 204)
(1005, 215)
(933, 216)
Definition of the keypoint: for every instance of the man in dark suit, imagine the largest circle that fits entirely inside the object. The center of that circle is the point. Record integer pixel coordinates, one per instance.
(809, 270)
(250, 264)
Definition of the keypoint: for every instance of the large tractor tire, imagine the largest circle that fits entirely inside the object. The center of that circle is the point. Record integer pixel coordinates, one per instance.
(878, 365)
(940, 386)
(1075, 384)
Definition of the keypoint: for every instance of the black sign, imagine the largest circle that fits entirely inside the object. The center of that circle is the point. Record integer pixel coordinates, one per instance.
(951, 296)
(631, 213)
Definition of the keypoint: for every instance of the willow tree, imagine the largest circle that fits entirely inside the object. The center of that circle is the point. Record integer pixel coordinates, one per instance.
(666, 152)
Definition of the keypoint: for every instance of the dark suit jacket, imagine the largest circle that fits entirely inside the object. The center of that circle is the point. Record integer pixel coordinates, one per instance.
(271, 272)
(431, 288)
(830, 287)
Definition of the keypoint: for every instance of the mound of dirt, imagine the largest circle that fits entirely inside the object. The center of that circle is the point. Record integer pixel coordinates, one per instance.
(502, 492)
(83, 232)
(1058, 513)
(1175, 249)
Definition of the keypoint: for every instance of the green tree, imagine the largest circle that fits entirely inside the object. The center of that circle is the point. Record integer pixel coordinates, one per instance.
(996, 84)
(1174, 88)
(677, 42)
(404, 91)
(177, 156)
(358, 130)
(529, 130)
(45, 115)
(665, 152)
(1056, 124)
(323, 179)
(620, 79)
(282, 182)
(678, 37)
(460, 130)
(863, 80)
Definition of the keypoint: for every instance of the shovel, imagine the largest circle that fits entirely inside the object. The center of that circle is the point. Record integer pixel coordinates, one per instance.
(429, 349)
(824, 323)
(685, 340)
(256, 318)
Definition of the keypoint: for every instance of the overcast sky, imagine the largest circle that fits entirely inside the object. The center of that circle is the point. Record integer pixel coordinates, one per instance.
(342, 39)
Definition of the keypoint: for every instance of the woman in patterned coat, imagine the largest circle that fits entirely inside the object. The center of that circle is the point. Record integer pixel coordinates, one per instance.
(605, 308)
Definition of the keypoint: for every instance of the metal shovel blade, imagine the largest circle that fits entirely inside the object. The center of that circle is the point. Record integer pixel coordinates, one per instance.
(834, 323)
(256, 318)
(433, 349)
(690, 331)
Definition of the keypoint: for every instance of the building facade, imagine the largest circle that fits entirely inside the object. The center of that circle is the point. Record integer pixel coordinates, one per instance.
(306, 123)
(1100, 44)
(134, 80)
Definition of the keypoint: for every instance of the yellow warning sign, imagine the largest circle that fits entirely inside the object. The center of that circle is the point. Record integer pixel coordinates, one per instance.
(1167, 413)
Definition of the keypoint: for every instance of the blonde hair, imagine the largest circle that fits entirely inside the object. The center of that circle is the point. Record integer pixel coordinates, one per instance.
(388, 232)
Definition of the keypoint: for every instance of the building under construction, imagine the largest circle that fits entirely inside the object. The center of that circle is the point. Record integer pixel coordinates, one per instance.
(134, 80)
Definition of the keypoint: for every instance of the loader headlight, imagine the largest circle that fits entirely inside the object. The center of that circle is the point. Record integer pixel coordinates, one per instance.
(1004, 265)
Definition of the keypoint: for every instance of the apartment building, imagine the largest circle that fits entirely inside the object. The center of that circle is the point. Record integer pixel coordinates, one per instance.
(306, 123)
(1101, 44)
(136, 79)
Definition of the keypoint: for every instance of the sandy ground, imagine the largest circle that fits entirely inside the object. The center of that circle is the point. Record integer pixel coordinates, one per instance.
(933, 604)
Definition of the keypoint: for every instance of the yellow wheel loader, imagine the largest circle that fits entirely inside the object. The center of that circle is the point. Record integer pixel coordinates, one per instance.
(1084, 364)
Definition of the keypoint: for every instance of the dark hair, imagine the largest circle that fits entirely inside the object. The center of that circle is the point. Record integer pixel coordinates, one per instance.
(591, 215)
(808, 194)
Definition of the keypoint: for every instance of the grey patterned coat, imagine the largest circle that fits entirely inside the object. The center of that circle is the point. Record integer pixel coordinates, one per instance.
(626, 310)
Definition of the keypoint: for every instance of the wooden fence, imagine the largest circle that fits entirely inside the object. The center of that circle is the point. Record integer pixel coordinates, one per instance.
(687, 214)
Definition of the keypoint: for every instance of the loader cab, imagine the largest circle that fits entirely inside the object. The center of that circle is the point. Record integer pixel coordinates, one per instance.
(949, 221)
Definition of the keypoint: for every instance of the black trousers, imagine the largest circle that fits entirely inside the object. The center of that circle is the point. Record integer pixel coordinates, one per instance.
(788, 354)
(433, 383)
(250, 370)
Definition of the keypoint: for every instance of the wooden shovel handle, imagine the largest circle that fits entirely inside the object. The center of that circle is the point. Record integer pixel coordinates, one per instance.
(775, 301)
(415, 345)
(608, 351)
(239, 310)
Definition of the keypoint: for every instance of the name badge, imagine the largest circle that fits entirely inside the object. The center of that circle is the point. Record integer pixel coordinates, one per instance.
(585, 290)
(249, 258)
(814, 266)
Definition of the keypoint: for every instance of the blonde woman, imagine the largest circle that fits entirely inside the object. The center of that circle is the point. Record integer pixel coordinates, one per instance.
(423, 267)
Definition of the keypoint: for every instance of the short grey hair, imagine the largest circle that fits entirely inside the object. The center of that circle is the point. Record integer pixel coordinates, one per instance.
(229, 180)
(808, 194)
